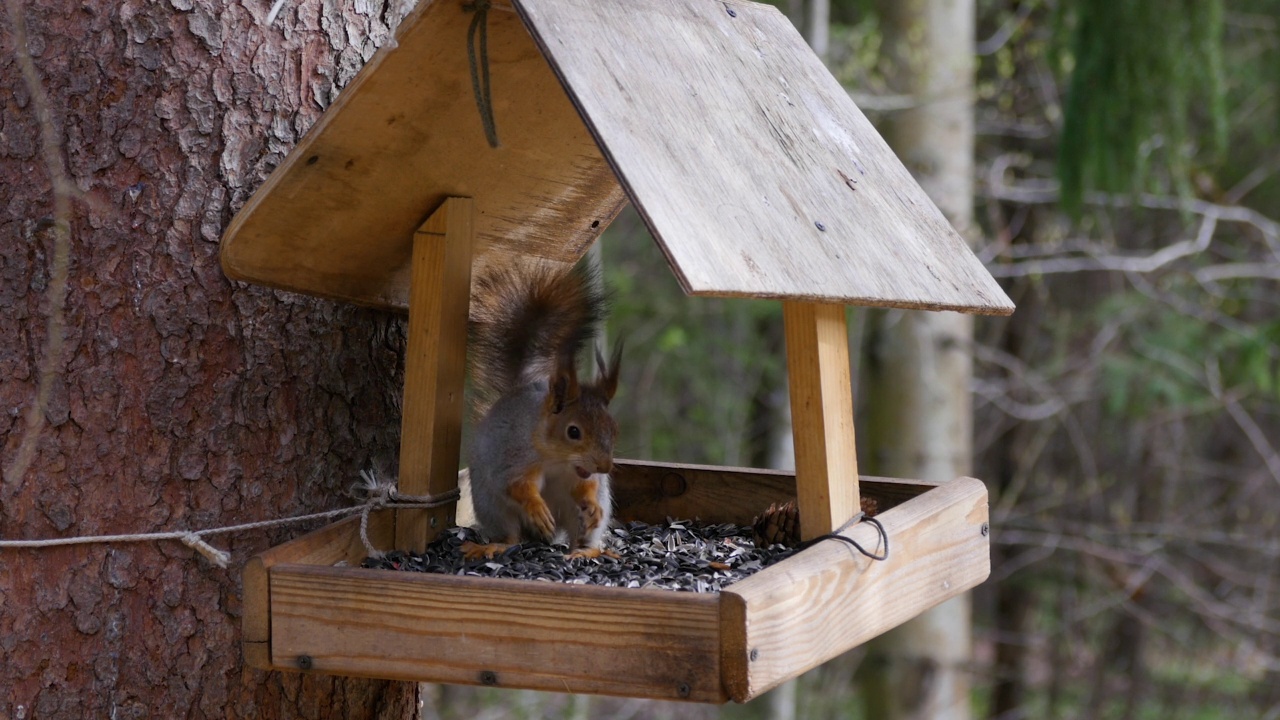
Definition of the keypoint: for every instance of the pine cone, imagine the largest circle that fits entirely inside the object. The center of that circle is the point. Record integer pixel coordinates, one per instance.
(780, 524)
(869, 506)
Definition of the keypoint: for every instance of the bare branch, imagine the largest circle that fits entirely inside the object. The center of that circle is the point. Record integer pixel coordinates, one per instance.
(63, 192)
(1257, 438)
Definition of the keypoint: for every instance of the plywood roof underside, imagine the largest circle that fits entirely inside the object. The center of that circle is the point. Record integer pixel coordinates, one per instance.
(753, 169)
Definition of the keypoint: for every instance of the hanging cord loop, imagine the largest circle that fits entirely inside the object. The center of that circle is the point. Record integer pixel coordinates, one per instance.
(860, 517)
(379, 494)
(480, 84)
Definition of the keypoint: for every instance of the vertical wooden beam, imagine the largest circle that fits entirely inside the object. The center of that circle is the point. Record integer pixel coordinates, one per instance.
(821, 415)
(435, 366)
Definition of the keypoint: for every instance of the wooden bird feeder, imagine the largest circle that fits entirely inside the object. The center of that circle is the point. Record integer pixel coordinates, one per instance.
(759, 178)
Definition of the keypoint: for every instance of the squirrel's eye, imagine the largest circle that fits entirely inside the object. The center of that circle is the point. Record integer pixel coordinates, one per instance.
(574, 432)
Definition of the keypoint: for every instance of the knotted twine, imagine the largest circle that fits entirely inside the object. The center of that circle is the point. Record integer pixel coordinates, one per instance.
(377, 495)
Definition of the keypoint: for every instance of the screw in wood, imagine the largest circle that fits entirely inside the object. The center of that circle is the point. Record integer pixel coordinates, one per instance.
(755, 654)
(304, 662)
(820, 226)
(986, 529)
(731, 11)
(683, 690)
(488, 677)
(435, 521)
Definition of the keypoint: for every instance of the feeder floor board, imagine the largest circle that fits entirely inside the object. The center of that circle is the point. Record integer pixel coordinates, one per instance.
(305, 614)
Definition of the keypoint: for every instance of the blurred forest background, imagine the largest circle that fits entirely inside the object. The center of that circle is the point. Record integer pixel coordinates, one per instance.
(1126, 417)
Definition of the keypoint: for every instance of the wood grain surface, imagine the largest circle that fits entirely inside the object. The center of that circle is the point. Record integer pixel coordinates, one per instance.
(337, 542)
(796, 615)
(747, 159)
(821, 394)
(501, 633)
(435, 368)
(337, 217)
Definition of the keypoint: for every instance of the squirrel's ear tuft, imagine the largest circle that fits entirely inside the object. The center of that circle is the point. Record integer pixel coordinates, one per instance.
(563, 390)
(608, 381)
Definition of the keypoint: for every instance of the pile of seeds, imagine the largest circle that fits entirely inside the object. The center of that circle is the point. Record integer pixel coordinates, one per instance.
(678, 555)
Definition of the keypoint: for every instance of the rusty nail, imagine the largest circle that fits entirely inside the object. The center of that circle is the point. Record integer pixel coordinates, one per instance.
(683, 690)
(304, 662)
(488, 677)
(755, 654)
(986, 529)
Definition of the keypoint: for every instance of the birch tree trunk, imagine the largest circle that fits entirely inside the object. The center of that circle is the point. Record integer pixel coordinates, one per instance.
(920, 364)
(176, 400)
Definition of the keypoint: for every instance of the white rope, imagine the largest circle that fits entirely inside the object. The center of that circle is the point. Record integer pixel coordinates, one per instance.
(378, 495)
(275, 10)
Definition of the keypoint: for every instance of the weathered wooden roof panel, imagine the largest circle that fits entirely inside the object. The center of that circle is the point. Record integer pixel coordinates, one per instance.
(749, 162)
(755, 171)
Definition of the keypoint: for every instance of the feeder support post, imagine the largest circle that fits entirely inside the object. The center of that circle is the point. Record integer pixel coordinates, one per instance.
(817, 338)
(435, 368)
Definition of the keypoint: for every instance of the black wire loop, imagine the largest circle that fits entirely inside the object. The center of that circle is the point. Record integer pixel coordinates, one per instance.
(480, 85)
(860, 517)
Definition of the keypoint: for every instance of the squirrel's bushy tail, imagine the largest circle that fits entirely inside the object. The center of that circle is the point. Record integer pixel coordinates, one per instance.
(528, 321)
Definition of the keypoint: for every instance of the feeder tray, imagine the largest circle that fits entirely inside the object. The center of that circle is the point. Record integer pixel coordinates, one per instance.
(304, 613)
(758, 177)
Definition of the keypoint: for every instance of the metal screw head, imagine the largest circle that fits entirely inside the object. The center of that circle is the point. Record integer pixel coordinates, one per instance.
(304, 662)
(683, 690)
(820, 226)
(488, 677)
(986, 529)
(435, 521)
(755, 654)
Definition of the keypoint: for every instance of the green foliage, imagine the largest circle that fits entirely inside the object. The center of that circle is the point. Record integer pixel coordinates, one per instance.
(1165, 360)
(1145, 77)
(697, 373)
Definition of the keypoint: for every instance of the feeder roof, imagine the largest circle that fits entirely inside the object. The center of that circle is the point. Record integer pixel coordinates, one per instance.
(753, 169)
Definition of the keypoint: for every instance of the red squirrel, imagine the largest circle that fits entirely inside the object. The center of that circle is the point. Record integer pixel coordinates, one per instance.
(542, 452)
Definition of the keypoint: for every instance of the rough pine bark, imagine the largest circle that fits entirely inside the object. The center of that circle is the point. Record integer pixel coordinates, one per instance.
(180, 400)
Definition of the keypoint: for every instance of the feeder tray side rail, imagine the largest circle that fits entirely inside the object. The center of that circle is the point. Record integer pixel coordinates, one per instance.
(796, 615)
(651, 491)
(513, 633)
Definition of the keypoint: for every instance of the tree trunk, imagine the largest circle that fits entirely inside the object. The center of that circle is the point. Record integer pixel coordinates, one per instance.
(921, 363)
(178, 401)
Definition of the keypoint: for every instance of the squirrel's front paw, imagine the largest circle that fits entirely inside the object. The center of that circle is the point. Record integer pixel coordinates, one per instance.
(527, 493)
(589, 516)
(540, 518)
